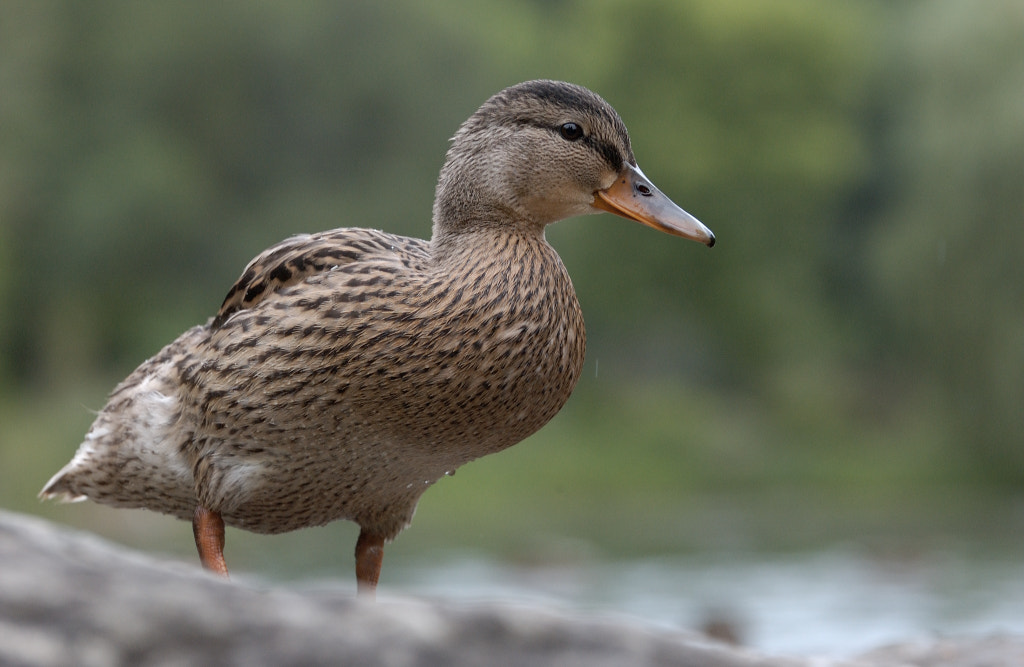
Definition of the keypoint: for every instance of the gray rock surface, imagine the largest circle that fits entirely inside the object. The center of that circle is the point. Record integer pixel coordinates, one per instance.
(67, 598)
(991, 651)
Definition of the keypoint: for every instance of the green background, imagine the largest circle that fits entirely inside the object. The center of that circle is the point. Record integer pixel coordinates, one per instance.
(847, 364)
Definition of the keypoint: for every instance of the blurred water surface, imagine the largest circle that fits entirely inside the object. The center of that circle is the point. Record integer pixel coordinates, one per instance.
(834, 602)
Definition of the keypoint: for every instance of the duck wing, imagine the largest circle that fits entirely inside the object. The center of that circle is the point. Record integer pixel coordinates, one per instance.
(299, 257)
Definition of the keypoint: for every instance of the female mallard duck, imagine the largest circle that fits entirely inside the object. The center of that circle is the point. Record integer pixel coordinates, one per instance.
(349, 370)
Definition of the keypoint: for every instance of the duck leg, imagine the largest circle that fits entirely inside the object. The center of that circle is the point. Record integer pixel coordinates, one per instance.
(369, 556)
(208, 528)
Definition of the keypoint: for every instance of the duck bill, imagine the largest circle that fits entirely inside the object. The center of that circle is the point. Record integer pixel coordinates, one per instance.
(634, 197)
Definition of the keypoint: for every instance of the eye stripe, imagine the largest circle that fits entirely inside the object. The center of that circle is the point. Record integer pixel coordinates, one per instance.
(612, 156)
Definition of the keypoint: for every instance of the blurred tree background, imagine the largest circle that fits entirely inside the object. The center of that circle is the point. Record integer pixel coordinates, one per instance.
(847, 363)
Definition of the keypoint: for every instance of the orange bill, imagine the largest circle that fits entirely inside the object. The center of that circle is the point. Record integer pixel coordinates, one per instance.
(633, 196)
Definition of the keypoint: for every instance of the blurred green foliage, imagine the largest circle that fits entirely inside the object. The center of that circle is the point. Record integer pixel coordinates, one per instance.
(857, 334)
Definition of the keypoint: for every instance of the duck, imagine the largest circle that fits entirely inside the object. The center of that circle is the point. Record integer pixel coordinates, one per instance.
(347, 371)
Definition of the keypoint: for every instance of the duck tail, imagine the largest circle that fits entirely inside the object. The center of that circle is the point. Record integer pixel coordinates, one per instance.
(59, 488)
(66, 485)
(131, 455)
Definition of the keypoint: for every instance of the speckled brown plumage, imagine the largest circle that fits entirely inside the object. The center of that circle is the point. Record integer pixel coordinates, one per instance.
(347, 371)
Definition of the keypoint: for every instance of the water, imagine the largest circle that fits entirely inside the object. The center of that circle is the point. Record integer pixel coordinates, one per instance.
(834, 603)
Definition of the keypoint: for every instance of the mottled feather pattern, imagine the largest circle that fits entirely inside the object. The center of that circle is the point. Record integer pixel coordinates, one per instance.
(346, 392)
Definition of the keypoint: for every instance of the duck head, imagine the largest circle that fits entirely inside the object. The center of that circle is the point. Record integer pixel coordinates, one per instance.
(542, 151)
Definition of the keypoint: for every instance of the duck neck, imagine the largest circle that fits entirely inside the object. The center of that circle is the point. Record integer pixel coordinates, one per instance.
(484, 229)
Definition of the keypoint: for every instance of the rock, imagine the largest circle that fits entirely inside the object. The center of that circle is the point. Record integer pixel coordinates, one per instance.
(67, 598)
(993, 651)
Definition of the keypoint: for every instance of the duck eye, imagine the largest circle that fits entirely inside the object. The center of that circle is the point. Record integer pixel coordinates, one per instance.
(571, 131)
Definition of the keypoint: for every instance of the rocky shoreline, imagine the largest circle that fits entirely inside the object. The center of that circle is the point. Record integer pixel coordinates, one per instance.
(68, 598)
